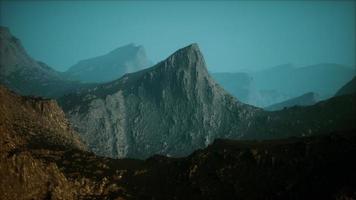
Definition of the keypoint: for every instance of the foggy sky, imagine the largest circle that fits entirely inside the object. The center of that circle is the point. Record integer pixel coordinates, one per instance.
(233, 35)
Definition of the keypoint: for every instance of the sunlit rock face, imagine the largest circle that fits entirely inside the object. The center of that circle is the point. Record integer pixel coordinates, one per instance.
(172, 108)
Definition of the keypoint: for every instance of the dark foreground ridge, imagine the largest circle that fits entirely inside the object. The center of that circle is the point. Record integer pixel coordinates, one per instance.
(317, 167)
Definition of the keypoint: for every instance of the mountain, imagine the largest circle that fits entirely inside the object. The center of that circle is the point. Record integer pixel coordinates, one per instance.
(175, 107)
(284, 82)
(115, 64)
(307, 99)
(323, 79)
(349, 88)
(337, 113)
(171, 108)
(23, 74)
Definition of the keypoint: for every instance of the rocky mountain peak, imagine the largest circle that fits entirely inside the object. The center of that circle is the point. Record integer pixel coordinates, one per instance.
(171, 108)
(187, 58)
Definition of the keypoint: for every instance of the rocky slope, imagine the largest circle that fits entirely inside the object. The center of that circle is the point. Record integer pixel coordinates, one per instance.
(171, 109)
(23, 74)
(115, 64)
(35, 120)
(32, 123)
(349, 88)
(319, 167)
(41, 158)
(307, 99)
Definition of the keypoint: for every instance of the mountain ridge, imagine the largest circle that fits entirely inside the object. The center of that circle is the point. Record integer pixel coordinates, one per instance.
(152, 109)
(306, 99)
(21, 73)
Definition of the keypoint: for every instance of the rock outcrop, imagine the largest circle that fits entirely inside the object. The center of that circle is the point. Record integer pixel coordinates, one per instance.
(33, 123)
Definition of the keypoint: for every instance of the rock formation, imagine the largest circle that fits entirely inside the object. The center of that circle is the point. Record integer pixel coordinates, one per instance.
(172, 108)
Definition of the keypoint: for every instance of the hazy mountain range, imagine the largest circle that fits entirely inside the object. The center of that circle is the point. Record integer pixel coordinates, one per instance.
(263, 88)
(274, 85)
(23, 74)
(175, 108)
(307, 99)
(126, 59)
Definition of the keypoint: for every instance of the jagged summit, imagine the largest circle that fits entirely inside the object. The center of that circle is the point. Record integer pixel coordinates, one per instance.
(187, 57)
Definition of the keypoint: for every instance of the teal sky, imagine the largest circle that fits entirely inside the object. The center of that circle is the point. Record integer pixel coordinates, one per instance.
(233, 35)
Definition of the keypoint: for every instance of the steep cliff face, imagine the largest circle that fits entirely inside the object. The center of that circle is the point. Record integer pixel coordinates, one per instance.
(171, 108)
(111, 66)
(23, 74)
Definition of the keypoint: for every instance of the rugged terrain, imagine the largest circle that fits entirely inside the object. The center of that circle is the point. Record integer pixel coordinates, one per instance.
(32, 123)
(42, 158)
(171, 108)
(115, 64)
(175, 107)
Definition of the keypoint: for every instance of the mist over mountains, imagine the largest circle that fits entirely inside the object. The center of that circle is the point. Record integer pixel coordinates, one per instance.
(125, 129)
(126, 59)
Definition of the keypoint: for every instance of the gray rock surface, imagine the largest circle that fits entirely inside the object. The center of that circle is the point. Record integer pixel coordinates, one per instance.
(172, 108)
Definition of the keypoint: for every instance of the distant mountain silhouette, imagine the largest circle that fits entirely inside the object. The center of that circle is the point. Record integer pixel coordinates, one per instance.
(238, 84)
(284, 82)
(111, 66)
(307, 99)
(23, 74)
(323, 79)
